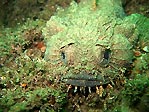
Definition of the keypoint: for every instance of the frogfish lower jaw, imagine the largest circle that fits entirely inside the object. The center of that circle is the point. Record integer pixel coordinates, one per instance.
(86, 83)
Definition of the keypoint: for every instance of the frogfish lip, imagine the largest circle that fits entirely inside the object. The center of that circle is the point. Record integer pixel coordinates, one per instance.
(85, 80)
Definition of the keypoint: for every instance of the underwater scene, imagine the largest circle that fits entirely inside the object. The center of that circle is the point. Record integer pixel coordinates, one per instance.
(74, 56)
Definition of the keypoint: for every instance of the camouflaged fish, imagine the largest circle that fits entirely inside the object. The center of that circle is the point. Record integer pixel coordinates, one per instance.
(90, 43)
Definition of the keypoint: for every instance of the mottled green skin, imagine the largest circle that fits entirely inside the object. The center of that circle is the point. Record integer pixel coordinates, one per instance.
(78, 37)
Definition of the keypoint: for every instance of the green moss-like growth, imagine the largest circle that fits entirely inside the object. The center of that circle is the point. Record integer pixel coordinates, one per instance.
(27, 86)
(18, 36)
(135, 89)
(26, 83)
(135, 95)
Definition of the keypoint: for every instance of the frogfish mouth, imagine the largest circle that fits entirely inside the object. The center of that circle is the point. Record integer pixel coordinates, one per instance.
(85, 80)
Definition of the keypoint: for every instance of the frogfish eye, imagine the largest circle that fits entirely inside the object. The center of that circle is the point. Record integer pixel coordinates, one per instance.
(63, 56)
(107, 53)
(106, 58)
